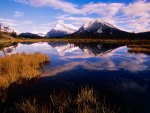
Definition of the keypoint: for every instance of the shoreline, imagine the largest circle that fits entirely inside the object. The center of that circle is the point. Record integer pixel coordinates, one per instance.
(110, 41)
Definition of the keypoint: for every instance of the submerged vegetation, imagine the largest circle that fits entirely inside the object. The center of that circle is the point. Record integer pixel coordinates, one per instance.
(85, 100)
(20, 66)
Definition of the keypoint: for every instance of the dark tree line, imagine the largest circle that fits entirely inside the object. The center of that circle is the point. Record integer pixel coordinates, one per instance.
(110, 35)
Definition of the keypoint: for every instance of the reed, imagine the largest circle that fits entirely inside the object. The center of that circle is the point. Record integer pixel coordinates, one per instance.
(20, 66)
(139, 48)
(86, 101)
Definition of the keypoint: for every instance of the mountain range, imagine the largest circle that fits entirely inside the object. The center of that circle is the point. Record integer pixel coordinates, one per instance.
(94, 29)
(100, 28)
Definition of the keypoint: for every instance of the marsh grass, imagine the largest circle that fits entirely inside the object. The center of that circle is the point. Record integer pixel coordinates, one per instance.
(28, 106)
(16, 67)
(5, 37)
(86, 101)
(139, 48)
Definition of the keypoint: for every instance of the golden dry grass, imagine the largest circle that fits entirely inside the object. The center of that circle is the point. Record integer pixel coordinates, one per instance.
(20, 66)
(110, 41)
(27, 106)
(7, 38)
(139, 48)
(86, 101)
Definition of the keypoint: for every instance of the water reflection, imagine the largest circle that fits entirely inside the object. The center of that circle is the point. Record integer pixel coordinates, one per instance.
(89, 56)
(108, 68)
(95, 57)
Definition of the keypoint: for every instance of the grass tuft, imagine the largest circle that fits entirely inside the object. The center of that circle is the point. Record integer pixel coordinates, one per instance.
(86, 101)
(20, 66)
(28, 106)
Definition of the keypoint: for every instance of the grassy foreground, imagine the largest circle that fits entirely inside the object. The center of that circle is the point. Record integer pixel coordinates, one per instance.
(85, 101)
(20, 66)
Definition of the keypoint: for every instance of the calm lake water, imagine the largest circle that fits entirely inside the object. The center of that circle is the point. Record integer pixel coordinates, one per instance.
(123, 77)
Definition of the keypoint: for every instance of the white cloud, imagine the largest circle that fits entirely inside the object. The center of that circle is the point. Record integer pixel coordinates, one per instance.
(7, 22)
(100, 8)
(77, 21)
(18, 14)
(61, 25)
(103, 9)
(133, 16)
(40, 29)
(56, 4)
(138, 15)
(13, 22)
(17, 25)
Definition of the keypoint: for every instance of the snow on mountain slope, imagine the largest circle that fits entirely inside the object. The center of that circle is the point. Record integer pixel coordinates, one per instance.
(95, 26)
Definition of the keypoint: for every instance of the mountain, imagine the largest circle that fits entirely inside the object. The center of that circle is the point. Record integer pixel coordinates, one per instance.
(94, 29)
(56, 33)
(96, 26)
(29, 35)
(61, 30)
(98, 29)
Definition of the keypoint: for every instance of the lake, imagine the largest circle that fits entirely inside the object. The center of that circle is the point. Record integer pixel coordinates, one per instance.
(121, 76)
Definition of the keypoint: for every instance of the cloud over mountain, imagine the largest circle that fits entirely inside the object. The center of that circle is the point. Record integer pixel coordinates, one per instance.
(65, 27)
(132, 16)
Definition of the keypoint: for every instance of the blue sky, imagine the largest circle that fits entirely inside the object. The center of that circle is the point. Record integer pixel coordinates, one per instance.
(40, 16)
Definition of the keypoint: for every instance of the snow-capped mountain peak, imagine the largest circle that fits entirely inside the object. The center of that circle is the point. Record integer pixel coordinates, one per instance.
(96, 26)
(89, 24)
(95, 22)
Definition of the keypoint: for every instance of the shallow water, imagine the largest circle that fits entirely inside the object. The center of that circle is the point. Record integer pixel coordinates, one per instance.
(110, 69)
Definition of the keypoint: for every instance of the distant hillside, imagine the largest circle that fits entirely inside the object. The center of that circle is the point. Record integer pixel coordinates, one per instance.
(143, 35)
(29, 35)
(56, 34)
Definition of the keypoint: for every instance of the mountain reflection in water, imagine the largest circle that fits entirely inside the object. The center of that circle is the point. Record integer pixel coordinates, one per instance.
(108, 68)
